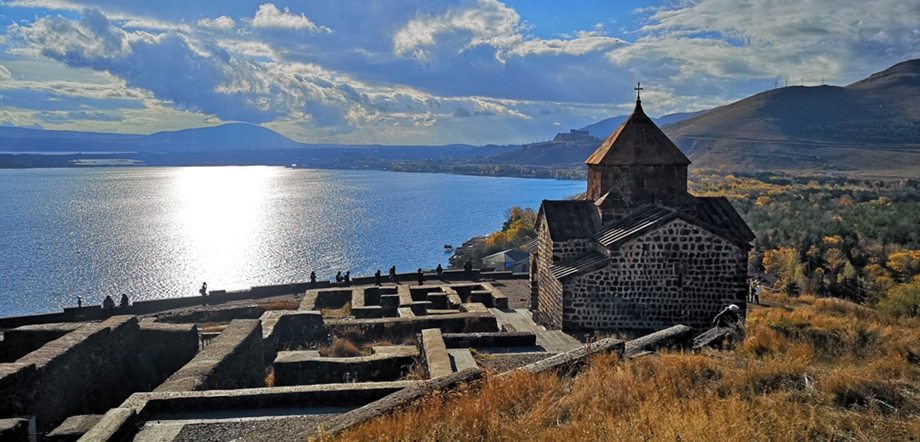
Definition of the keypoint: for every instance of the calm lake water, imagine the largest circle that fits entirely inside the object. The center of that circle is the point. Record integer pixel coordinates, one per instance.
(160, 232)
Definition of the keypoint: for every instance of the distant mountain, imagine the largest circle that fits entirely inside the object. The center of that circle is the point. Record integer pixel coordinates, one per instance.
(237, 136)
(602, 129)
(806, 127)
(32, 139)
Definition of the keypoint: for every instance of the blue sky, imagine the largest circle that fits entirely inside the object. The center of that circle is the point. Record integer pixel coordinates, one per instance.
(422, 71)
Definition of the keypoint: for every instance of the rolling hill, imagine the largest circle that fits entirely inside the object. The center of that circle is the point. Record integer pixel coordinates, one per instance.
(824, 127)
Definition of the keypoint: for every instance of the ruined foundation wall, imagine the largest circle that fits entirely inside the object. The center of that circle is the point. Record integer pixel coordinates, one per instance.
(233, 360)
(676, 274)
(84, 372)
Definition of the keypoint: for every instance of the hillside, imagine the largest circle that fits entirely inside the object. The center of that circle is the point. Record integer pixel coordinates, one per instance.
(824, 127)
(602, 129)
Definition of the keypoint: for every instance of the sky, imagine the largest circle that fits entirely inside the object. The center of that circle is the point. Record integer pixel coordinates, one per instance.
(423, 71)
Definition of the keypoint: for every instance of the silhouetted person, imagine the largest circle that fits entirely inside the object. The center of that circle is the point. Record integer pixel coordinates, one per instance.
(727, 317)
(393, 274)
(421, 277)
(124, 300)
(108, 302)
(338, 277)
(440, 271)
(377, 278)
(312, 277)
(347, 277)
(79, 301)
(468, 269)
(203, 291)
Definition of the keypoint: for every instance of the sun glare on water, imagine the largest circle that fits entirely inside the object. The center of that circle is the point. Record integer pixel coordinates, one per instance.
(221, 215)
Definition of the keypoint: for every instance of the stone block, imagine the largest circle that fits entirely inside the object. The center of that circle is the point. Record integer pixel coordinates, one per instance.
(437, 360)
(21, 341)
(118, 424)
(73, 428)
(232, 360)
(14, 430)
(388, 363)
(483, 340)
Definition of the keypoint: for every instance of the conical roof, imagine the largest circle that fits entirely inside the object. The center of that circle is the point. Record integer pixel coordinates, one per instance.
(638, 141)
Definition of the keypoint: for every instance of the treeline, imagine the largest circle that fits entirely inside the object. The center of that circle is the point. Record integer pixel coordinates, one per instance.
(517, 230)
(831, 236)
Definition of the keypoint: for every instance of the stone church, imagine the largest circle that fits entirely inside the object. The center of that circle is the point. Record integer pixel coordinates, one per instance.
(638, 253)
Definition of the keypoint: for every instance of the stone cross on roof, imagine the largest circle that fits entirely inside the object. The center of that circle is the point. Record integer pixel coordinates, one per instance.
(638, 88)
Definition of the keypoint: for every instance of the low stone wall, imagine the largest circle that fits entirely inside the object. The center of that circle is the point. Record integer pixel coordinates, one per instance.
(73, 428)
(308, 367)
(395, 328)
(290, 329)
(437, 360)
(218, 315)
(21, 341)
(484, 340)
(232, 360)
(163, 349)
(84, 372)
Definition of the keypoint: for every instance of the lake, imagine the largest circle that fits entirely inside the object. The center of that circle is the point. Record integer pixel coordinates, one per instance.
(160, 232)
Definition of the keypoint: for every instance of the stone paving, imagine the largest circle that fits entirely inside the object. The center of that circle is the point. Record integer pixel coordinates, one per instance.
(554, 341)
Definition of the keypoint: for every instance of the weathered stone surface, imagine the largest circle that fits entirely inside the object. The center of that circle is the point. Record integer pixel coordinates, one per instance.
(21, 341)
(85, 371)
(14, 430)
(678, 336)
(392, 328)
(714, 337)
(290, 329)
(481, 340)
(232, 360)
(73, 428)
(388, 363)
(573, 359)
(678, 273)
(147, 405)
(118, 424)
(437, 360)
(473, 307)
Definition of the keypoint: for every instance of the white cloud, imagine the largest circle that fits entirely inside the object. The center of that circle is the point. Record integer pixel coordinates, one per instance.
(223, 23)
(5, 73)
(268, 16)
(736, 39)
(490, 23)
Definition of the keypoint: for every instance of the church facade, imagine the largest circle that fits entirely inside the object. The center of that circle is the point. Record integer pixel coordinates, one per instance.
(638, 253)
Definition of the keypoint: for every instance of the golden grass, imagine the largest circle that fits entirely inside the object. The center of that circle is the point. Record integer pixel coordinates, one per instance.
(814, 370)
(339, 312)
(283, 304)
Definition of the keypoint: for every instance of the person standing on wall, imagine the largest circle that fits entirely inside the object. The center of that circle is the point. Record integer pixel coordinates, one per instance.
(421, 277)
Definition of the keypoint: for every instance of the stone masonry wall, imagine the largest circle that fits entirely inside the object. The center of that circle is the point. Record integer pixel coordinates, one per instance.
(676, 274)
(84, 372)
(232, 360)
(549, 306)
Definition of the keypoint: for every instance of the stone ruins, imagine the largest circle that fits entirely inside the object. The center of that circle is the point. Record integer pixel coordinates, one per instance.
(638, 254)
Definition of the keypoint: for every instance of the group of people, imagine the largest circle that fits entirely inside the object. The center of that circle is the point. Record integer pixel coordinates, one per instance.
(108, 302)
(754, 290)
(346, 278)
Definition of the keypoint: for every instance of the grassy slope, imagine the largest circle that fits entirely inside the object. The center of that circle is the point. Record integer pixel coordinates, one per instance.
(809, 369)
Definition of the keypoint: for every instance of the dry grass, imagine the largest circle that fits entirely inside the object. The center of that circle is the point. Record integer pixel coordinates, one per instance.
(345, 348)
(282, 304)
(816, 369)
(339, 312)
